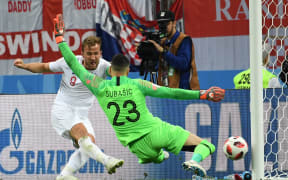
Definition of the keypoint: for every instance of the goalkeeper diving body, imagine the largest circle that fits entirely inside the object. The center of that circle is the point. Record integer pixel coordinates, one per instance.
(123, 101)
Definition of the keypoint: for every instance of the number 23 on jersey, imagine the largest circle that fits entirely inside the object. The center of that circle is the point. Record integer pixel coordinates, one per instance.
(133, 114)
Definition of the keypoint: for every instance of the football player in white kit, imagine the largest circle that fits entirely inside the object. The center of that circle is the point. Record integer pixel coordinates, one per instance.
(69, 114)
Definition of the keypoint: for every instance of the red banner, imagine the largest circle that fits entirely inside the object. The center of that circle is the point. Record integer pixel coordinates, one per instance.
(216, 18)
(230, 17)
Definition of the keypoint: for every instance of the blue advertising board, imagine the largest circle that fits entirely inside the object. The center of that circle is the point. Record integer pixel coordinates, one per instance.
(213, 121)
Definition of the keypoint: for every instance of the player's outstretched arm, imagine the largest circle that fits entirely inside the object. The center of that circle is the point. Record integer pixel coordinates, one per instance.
(32, 67)
(87, 78)
(214, 94)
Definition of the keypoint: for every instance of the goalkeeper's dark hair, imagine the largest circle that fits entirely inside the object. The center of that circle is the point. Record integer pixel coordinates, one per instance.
(284, 71)
(119, 63)
(91, 41)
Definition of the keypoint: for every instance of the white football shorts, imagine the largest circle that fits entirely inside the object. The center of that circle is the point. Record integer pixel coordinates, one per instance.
(64, 117)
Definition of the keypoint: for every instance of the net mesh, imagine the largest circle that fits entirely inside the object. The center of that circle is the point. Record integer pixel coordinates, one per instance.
(275, 31)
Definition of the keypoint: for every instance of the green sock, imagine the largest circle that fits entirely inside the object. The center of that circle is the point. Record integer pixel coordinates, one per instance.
(197, 157)
(203, 150)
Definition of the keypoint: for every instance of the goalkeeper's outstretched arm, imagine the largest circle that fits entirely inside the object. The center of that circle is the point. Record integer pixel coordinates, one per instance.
(214, 94)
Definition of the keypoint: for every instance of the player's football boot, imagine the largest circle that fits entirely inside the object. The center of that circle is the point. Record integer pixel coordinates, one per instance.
(196, 168)
(60, 177)
(112, 164)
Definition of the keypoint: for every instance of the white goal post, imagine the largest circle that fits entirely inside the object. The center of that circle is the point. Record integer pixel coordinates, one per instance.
(268, 23)
(256, 90)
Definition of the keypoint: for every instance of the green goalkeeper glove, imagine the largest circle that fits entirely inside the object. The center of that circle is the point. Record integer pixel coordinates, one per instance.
(59, 28)
(214, 94)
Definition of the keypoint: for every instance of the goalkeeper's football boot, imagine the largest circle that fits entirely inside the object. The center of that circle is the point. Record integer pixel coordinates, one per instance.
(196, 168)
(166, 155)
(60, 177)
(112, 164)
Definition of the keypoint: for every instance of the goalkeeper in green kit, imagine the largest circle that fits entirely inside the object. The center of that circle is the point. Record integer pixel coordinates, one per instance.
(123, 101)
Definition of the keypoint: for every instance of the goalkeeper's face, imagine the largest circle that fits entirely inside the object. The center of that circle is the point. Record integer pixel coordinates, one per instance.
(91, 55)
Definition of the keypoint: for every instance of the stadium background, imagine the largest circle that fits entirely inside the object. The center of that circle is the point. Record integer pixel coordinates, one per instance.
(30, 148)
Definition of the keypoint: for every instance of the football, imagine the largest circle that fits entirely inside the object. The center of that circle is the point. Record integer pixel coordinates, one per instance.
(235, 147)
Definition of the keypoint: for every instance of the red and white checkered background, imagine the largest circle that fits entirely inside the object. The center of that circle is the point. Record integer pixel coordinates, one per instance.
(277, 38)
(279, 52)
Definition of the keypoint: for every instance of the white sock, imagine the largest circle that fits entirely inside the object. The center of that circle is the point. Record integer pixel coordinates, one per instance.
(76, 161)
(67, 171)
(84, 158)
(92, 150)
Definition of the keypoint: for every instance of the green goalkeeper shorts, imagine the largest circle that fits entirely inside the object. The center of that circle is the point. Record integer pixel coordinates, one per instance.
(149, 148)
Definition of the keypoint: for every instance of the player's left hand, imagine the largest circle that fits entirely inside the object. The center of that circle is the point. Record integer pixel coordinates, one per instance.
(214, 94)
(59, 28)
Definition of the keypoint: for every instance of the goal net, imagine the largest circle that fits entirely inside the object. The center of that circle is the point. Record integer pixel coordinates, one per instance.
(275, 106)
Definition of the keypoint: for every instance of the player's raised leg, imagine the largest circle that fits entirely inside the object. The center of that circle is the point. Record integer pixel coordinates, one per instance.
(202, 149)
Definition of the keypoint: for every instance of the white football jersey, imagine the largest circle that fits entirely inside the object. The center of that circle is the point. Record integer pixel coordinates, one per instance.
(71, 90)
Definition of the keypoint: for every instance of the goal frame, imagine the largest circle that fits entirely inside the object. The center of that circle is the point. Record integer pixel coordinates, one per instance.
(256, 89)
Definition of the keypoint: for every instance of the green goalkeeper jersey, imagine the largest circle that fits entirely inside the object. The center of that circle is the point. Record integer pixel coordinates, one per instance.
(123, 99)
